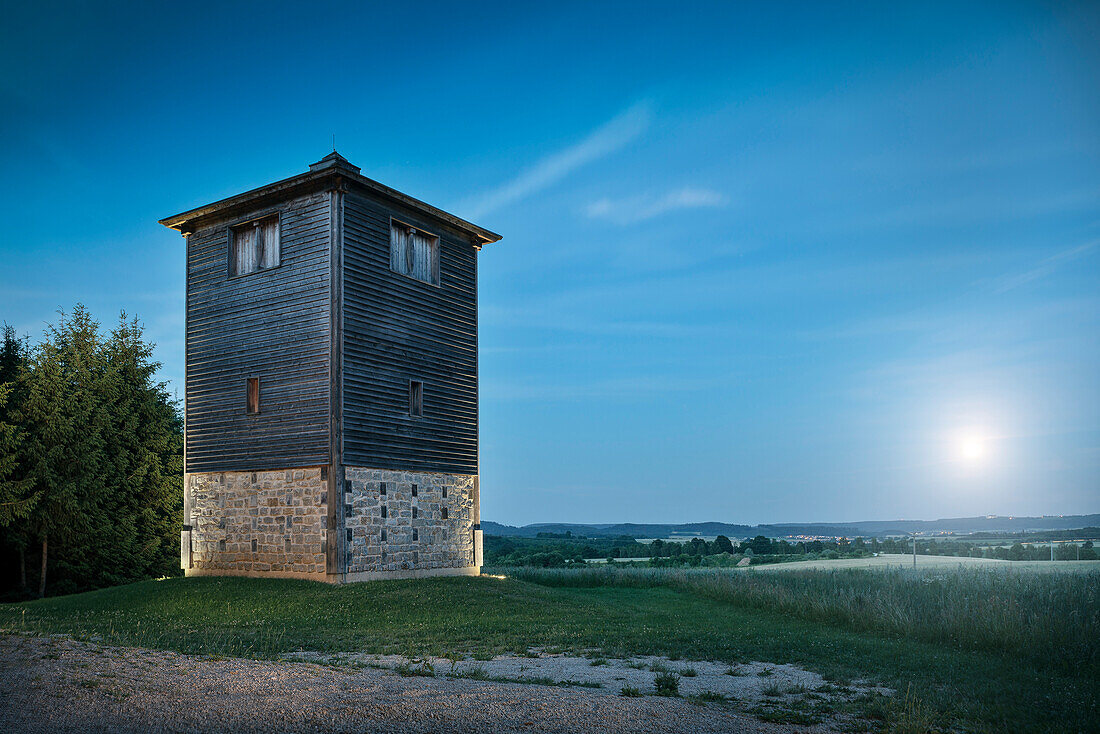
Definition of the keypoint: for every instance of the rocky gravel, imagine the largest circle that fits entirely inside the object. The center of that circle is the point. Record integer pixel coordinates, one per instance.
(747, 683)
(56, 684)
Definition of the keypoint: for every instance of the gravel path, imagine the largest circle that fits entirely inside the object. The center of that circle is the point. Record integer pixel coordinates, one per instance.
(747, 683)
(59, 685)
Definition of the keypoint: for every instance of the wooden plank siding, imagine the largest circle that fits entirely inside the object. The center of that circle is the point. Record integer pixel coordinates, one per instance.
(396, 329)
(273, 324)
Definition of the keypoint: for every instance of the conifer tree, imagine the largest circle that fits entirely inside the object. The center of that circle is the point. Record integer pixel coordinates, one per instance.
(144, 463)
(96, 481)
(14, 505)
(63, 430)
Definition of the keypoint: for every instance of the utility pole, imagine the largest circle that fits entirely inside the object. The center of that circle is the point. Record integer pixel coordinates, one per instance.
(914, 551)
(1052, 550)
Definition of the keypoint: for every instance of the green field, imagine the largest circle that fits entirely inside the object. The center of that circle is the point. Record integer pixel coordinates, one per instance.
(902, 561)
(979, 650)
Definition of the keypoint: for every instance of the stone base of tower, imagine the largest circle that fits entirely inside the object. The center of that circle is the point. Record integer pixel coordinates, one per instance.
(410, 524)
(390, 524)
(267, 523)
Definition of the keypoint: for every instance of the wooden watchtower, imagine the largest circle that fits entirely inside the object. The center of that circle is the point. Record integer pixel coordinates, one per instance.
(331, 399)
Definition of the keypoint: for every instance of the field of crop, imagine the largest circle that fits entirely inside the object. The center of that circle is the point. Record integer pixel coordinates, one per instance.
(893, 560)
(979, 649)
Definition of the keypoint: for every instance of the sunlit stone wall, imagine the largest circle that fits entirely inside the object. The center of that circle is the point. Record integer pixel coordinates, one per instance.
(272, 523)
(258, 523)
(409, 521)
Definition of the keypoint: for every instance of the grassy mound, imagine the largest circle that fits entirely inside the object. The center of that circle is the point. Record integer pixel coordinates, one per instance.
(986, 651)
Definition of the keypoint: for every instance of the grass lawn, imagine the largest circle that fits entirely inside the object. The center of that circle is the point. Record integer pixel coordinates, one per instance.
(970, 684)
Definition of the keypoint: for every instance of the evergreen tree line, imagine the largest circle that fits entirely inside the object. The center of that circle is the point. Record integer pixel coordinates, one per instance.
(91, 459)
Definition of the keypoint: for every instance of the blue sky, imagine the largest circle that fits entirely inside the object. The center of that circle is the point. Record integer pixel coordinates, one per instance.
(761, 263)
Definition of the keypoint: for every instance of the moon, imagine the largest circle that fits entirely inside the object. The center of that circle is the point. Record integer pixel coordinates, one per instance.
(972, 447)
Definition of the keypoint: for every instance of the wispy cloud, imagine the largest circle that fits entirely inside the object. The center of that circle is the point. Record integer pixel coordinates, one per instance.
(1044, 268)
(640, 208)
(601, 142)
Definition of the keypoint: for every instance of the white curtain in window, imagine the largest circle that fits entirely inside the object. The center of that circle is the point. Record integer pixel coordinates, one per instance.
(425, 260)
(268, 245)
(244, 249)
(414, 253)
(399, 247)
(256, 246)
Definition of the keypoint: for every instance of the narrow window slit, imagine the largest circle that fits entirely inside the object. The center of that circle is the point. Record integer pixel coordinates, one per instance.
(416, 398)
(252, 399)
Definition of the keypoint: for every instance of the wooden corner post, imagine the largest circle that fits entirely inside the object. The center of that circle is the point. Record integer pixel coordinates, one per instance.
(335, 547)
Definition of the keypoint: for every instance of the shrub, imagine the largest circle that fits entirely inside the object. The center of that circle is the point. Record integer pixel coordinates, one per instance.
(582, 683)
(630, 692)
(667, 684)
(537, 680)
(409, 670)
(474, 672)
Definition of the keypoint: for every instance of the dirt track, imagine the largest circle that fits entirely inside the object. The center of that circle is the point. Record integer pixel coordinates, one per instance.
(58, 685)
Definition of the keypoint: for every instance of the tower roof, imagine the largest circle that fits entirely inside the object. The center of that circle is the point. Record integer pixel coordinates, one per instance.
(333, 159)
(330, 170)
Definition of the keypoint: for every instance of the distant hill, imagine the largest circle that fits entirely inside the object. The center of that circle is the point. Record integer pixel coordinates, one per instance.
(868, 528)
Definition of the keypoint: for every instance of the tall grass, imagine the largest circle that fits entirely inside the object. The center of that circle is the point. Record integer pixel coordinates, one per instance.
(1051, 619)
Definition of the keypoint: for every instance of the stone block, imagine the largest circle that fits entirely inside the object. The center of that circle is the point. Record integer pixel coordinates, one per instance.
(257, 508)
(397, 551)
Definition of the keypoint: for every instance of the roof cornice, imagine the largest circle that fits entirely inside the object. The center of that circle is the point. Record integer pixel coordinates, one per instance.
(330, 170)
